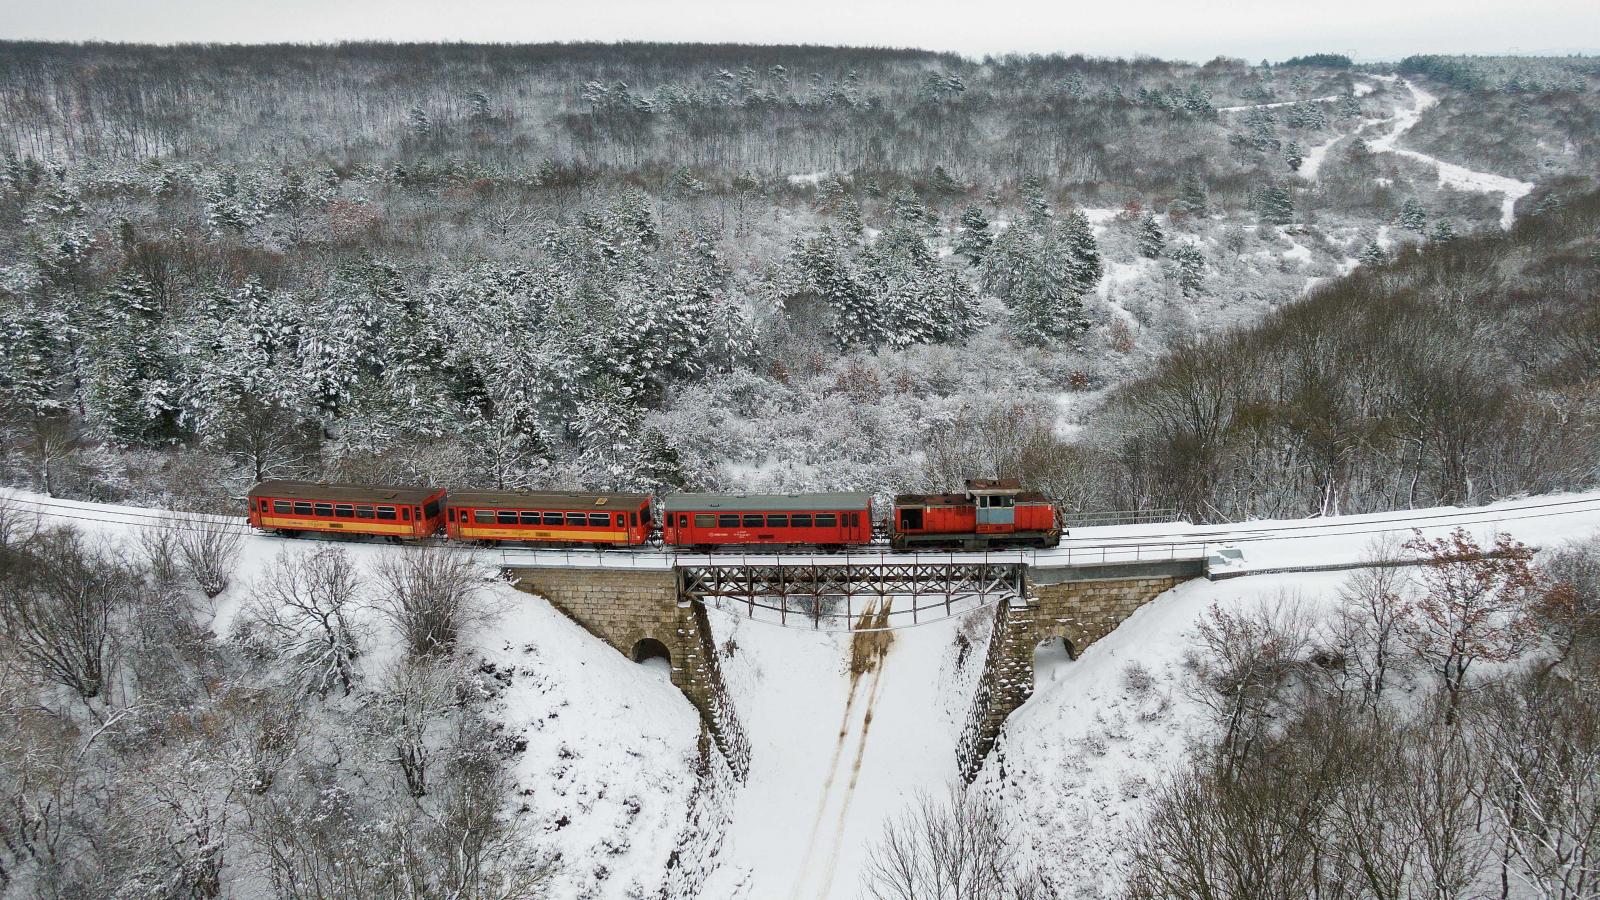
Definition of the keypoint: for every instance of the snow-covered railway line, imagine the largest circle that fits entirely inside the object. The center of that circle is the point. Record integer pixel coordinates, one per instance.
(1102, 545)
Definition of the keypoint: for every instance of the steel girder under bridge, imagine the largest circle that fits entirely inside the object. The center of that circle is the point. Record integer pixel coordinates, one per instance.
(853, 596)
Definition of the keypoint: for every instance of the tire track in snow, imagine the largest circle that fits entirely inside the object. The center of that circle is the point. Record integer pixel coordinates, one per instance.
(827, 788)
(832, 862)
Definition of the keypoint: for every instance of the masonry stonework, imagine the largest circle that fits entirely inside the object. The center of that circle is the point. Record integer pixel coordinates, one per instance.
(625, 608)
(1080, 611)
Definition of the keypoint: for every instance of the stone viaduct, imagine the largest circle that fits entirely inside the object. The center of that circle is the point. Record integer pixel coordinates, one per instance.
(646, 613)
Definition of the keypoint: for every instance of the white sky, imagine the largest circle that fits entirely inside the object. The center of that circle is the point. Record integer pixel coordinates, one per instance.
(1180, 29)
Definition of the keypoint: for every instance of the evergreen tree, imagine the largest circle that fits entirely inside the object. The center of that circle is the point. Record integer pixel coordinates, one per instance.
(1083, 254)
(1041, 268)
(1443, 232)
(1151, 238)
(1412, 216)
(478, 105)
(1192, 194)
(1372, 255)
(417, 121)
(1294, 154)
(1274, 206)
(975, 238)
(1190, 265)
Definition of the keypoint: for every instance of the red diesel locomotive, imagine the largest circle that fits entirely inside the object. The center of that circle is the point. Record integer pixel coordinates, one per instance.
(988, 514)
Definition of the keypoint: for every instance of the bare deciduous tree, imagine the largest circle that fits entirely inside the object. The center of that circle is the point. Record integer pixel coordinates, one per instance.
(210, 549)
(305, 606)
(58, 599)
(428, 595)
(957, 848)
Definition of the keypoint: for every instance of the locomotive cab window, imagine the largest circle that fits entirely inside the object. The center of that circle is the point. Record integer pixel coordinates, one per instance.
(701, 520)
(911, 519)
(386, 513)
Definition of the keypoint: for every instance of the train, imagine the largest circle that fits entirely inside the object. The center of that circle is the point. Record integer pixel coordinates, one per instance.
(988, 514)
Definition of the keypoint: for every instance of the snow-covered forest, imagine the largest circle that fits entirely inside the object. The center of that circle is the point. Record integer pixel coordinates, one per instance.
(721, 267)
(1231, 290)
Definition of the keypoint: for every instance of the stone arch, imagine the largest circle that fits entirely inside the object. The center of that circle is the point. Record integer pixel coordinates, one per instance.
(646, 649)
(1052, 654)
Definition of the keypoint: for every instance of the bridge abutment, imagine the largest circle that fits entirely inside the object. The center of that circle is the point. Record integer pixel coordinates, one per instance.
(1080, 606)
(638, 611)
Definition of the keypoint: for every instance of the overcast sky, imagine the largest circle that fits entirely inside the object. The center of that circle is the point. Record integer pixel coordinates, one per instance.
(1183, 29)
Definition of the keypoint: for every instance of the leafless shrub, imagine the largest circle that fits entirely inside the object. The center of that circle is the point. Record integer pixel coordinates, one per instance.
(428, 595)
(405, 715)
(304, 606)
(1251, 658)
(159, 545)
(58, 599)
(210, 548)
(1137, 679)
(1371, 619)
(957, 848)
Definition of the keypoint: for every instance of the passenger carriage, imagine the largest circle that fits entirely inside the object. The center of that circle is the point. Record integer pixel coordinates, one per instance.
(290, 507)
(713, 520)
(549, 517)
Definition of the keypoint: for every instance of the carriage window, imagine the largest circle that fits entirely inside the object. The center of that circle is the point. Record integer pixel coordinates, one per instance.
(727, 521)
(282, 506)
(302, 508)
(855, 520)
(577, 519)
(344, 509)
(778, 521)
(701, 520)
(431, 511)
(365, 512)
(599, 520)
(483, 516)
(529, 518)
(552, 518)
(754, 520)
(386, 513)
(506, 516)
(622, 520)
(800, 520)
(324, 509)
(827, 520)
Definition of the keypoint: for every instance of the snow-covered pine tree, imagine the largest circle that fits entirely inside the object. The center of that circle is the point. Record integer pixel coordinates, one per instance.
(1294, 154)
(1274, 206)
(1190, 265)
(1412, 216)
(1372, 254)
(1192, 194)
(1443, 232)
(1083, 254)
(975, 238)
(1151, 238)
